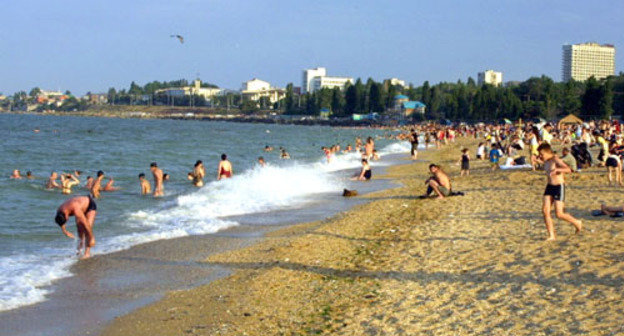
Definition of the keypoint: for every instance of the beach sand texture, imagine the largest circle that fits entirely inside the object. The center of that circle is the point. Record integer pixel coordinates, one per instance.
(468, 265)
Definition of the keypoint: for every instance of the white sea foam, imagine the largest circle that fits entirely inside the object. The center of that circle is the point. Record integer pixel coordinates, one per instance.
(25, 276)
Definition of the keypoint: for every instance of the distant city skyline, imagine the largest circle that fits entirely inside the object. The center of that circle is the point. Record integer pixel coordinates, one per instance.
(93, 45)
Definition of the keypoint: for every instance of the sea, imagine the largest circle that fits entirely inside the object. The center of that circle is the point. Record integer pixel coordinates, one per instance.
(33, 252)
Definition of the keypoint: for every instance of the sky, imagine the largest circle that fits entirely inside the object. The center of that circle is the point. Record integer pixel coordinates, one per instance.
(93, 45)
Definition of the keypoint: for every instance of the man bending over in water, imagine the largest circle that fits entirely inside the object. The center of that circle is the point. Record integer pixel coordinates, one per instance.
(84, 209)
(158, 180)
(438, 183)
(555, 190)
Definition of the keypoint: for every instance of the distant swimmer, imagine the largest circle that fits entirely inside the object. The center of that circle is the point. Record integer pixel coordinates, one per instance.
(16, 174)
(67, 182)
(89, 183)
(166, 177)
(261, 162)
(29, 175)
(159, 189)
(109, 185)
(52, 183)
(225, 168)
(198, 174)
(328, 154)
(146, 188)
(97, 184)
(284, 154)
(268, 148)
(365, 174)
(84, 209)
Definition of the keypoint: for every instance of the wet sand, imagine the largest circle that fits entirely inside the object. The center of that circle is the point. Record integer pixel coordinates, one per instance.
(468, 265)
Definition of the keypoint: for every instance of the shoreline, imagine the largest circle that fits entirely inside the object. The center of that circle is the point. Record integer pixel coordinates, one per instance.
(187, 113)
(470, 265)
(134, 277)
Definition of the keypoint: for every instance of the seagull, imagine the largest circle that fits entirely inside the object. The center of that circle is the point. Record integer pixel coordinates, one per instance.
(179, 37)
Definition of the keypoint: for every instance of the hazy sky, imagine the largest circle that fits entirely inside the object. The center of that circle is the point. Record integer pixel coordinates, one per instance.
(91, 45)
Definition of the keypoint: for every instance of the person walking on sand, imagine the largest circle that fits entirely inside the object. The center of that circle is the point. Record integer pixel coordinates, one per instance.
(146, 188)
(159, 190)
(84, 209)
(495, 157)
(225, 168)
(465, 162)
(555, 190)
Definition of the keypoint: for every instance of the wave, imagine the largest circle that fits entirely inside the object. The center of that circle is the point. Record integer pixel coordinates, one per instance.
(204, 211)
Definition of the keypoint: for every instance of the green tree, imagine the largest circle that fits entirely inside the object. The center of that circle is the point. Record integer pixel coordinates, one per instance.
(375, 98)
(289, 101)
(337, 103)
(570, 102)
(591, 98)
(34, 92)
(351, 100)
(605, 104)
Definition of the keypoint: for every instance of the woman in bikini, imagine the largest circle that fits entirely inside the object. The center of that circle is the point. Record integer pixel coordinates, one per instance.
(225, 168)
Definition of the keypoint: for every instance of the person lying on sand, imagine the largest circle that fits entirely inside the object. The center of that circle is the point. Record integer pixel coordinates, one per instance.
(613, 210)
(439, 182)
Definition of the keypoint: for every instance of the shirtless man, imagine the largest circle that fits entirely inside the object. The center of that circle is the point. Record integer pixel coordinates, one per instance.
(51, 184)
(97, 184)
(67, 182)
(16, 175)
(439, 182)
(84, 209)
(261, 162)
(368, 148)
(158, 180)
(225, 168)
(555, 190)
(146, 188)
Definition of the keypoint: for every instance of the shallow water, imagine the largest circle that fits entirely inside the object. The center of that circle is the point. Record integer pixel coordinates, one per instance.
(33, 253)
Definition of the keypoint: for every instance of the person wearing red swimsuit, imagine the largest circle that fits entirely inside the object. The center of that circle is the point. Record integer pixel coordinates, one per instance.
(225, 168)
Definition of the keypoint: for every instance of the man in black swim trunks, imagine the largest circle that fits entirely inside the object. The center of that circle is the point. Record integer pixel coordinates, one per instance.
(84, 209)
(414, 142)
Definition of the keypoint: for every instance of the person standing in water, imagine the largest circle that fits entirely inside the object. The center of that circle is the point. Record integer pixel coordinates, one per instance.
(97, 184)
(67, 182)
(84, 209)
(146, 188)
(158, 180)
(225, 168)
(51, 184)
(198, 174)
(555, 190)
(414, 141)
(261, 162)
(368, 148)
(16, 175)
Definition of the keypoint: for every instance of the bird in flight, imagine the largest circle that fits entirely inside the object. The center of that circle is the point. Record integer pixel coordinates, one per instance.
(179, 37)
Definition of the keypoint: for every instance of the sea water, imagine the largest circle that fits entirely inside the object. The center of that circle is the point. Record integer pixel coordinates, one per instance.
(33, 251)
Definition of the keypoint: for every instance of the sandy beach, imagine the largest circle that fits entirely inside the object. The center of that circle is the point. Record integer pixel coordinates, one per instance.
(467, 265)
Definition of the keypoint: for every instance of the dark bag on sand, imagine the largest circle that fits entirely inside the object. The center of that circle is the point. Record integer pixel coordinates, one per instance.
(520, 161)
(349, 193)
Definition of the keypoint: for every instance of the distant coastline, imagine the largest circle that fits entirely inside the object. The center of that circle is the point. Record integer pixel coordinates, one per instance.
(201, 113)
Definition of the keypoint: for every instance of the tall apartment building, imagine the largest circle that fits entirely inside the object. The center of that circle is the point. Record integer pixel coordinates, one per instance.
(490, 77)
(316, 79)
(581, 61)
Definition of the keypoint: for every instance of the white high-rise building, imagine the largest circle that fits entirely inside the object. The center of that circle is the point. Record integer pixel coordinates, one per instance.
(309, 75)
(581, 61)
(490, 77)
(316, 79)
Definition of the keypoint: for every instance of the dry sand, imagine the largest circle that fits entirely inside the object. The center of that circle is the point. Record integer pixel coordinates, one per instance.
(468, 265)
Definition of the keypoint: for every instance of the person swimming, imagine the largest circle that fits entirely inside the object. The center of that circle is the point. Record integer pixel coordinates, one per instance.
(109, 185)
(225, 168)
(261, 161)
(16, 175)
(284, 154)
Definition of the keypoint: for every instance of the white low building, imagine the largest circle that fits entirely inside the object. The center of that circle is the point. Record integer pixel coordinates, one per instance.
(195, 90)
(316, 79)
(490, 77)
(255, 89)
(396, 81)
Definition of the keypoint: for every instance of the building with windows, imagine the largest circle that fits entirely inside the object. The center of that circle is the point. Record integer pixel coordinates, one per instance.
(396, 81)
(195, 90)
(490, 77)
(316, 79)
(255, 89)
(581, 61)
